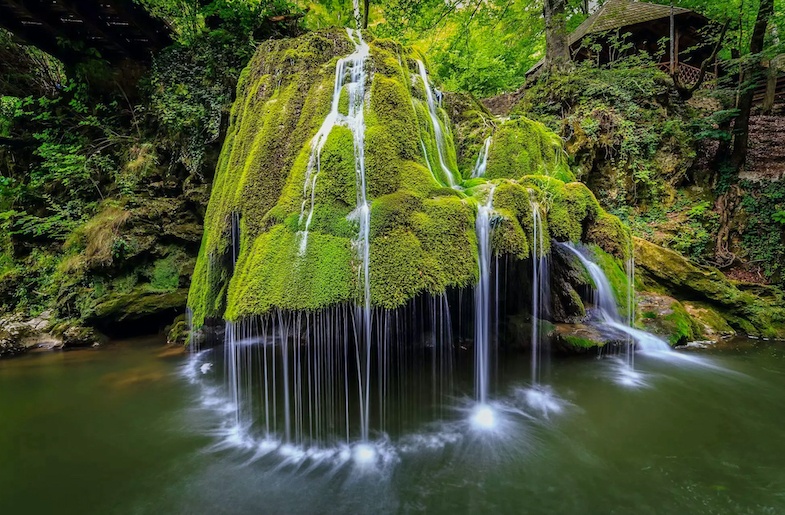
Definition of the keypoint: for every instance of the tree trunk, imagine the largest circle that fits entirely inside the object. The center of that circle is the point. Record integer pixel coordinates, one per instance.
(366, 8)
(557, 49)
(771, 85)
(750, 77)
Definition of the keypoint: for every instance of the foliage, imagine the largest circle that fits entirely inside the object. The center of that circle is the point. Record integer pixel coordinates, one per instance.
(764, 235)
(695, 237)
(191, 89)
(625, 136)
(192, 19)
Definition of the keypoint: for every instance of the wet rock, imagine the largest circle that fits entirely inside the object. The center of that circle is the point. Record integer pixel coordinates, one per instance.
(78, 336)
(699, 345)
(713, 325)
(18, 335)
(580, 338)
(9, 345)
(745, 311)
(666, 317)
(177, 333)
(567, 305)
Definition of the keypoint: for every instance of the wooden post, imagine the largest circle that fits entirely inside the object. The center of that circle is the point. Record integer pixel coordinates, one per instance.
(672, 40)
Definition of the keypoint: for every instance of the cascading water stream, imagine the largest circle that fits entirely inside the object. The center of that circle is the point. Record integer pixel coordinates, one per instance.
(482, 300)
(539, 287)
(437, 127)
(356, 122)
(317, 144)
(482, 160)
(630, 269)
(352, 65)
(606, 304)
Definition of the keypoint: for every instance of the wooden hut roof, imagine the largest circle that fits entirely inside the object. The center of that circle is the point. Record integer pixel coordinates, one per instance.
(615, 14)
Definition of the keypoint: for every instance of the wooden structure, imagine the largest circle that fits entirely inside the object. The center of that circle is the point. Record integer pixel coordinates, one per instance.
(646, 26)
(71, 30)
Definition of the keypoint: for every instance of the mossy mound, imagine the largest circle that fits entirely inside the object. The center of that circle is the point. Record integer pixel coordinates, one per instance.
(256, 254)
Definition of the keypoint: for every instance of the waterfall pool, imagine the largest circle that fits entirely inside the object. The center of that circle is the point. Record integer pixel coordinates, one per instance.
(131, 429)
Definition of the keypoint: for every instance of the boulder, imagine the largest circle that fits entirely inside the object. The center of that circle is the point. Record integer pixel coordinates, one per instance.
(713, 325)
(664, 270)
(581, 338)
(666, 317)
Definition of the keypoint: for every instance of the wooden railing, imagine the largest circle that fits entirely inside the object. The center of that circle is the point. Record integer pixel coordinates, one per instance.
(689, 75)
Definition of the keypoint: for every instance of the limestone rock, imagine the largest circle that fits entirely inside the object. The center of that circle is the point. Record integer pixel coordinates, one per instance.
(712, 324)
(666, 317)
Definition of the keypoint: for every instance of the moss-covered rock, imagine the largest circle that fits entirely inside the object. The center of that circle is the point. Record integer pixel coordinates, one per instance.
(138, 304)
(578, 338)
(670, 272)
(422, 232)
(712, 324)
(524, 147)
(666, 317)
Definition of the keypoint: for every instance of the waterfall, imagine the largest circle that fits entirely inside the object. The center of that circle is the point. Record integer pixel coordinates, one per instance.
(540, 287)
(355, 120)
(354, 66)
(437, 127)
(482, 159)
(605, 301)
(630, 269)
(482, 300)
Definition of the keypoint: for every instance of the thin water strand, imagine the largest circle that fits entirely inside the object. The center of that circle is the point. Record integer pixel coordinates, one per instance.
(437, 127)
(482, 300)
(482, 160)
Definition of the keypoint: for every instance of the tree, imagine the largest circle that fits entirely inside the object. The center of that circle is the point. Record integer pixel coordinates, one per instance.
(557, 50)
(750, 77)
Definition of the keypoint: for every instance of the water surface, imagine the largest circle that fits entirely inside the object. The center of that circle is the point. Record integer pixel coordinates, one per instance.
(125, 429)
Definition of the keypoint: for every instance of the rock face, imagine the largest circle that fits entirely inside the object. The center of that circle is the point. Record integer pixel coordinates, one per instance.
(18, 335)
(282, 232)
(718, 305)
(10, 344)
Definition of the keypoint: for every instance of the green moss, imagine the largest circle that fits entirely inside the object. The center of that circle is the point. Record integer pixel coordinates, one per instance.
(422, 234)
(137, 304)
(684, 329)
(581, 343)
(273, 274)
(570, 206)
(522, 147)
(611, 235)
(265, 154)
(393, 211)
(744, 311)
(711, 324)
(165, 275)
